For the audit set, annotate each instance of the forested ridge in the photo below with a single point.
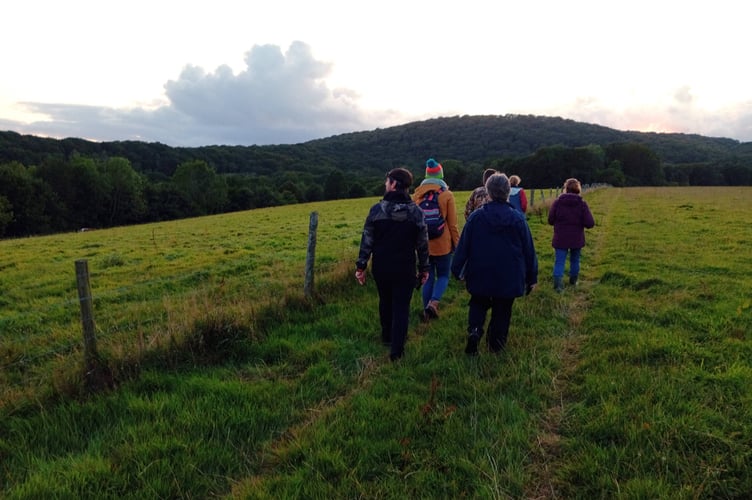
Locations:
(49, 185)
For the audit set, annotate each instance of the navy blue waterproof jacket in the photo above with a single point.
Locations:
(496, 254)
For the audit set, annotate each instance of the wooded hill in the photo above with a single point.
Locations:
(478, 140)
(49, 185)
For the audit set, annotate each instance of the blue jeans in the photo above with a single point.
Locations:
(438, 277)
(561, 258)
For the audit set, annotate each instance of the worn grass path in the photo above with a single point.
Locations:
(547, 456)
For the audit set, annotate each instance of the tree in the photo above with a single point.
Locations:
(314, 192)
(641, 166)
(166, 202)
(290, 193)
(201, 184)
(6, 214)
(30, 199)
(80, 189)
(335, 187)
(124, 192)
(612, 174)
(356, 191)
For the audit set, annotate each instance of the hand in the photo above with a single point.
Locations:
(360, 275)
(423, 277)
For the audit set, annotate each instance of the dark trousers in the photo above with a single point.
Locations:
(395, 295)
(501, 316)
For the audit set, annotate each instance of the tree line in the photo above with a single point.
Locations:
(49, 185)
(67, 195)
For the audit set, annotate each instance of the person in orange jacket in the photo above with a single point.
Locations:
(440, 248)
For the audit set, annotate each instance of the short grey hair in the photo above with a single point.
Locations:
(497, 187)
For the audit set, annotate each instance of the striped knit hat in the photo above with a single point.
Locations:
(434, 170)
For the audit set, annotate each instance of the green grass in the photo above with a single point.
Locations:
(634, 384)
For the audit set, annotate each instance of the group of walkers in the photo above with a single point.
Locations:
(414, 242)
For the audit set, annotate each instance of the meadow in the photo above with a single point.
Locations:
(228, 382)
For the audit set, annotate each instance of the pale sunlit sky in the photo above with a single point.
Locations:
(286, 71)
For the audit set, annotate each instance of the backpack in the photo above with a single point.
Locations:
(432, 215)
(514, 198)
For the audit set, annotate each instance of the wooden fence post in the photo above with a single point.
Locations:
(87, 313)
(311, 254)
(97, 375)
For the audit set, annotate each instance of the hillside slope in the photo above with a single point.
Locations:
(469, 139)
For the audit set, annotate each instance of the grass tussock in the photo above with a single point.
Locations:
(230, 382)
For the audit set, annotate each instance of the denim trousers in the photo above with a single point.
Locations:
(561, 259)
(438, 277)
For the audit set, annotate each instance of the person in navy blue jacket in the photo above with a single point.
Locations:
(496, 258)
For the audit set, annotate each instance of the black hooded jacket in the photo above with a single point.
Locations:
(395, 236)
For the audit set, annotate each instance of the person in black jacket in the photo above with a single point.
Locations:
(496, 259)
(395, 235)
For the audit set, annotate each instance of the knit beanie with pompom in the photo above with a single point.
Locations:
(434, 170)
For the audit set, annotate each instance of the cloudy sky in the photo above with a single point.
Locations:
(285, 71)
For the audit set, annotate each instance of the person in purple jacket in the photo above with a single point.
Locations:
(570, 216)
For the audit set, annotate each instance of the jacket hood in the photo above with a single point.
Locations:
(570, 199)
(498, 215)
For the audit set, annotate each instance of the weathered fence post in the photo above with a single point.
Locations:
(87, 312)
(311, 254)
(96, 374)
(532, 197)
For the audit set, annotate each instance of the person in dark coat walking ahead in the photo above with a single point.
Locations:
(496, 259)
(570, 215)
(395, 235)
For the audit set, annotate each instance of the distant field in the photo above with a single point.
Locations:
(637, 383)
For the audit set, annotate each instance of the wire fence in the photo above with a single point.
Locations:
(144, 312)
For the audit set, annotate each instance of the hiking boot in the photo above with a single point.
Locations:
(573, 280)
(432, 310)
(473, 337)
(558, 284)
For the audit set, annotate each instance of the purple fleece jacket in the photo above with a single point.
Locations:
(570, 215)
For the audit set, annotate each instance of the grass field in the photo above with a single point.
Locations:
(228, 382)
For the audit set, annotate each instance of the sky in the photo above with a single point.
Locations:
(230, 72)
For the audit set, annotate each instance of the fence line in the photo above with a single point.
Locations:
(553, 193)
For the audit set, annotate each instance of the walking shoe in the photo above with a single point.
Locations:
(432, 310)
(471, 348)
(558, 284)
(573, 280)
